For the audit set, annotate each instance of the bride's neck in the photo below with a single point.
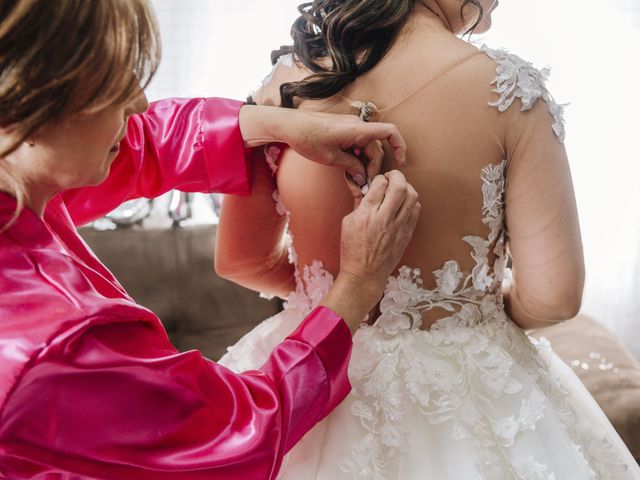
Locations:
(446, 14)
(435, 12)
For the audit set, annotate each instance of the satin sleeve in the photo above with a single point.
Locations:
(119, 402)
(193, 145)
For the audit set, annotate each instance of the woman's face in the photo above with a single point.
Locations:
(79, 150)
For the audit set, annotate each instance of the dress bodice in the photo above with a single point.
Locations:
(473, 396)
(465, 294)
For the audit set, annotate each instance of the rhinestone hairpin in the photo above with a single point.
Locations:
(367, 111)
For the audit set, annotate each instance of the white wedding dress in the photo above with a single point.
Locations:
(474, 397)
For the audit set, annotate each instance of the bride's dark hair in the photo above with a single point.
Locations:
(354, 34)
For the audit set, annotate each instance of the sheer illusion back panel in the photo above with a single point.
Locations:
(439, 96)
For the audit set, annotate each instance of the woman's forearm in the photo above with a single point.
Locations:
(531, 313)
(260, 124)
(251, 248)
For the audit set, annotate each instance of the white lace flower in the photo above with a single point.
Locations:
(394, 320)
(482, 279)
(271, 155)
(531, 470)
(321, 280)
(517, 78)
(531, 410)
(448, 278)
(280, 208)
(363, 410)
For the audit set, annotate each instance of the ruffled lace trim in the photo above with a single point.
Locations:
(517, 78)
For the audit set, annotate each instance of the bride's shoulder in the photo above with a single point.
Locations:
(514, 70)
(518, 80)
(515, 78)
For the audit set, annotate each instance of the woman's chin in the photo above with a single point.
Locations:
(100, 176)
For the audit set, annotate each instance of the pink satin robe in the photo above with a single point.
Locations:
(91, 387)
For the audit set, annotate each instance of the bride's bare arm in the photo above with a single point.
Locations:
(542, 223)
(250, 243)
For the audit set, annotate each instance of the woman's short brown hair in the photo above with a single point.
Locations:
(59, 57)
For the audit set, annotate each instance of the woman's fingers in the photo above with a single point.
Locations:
(390, 133)
(376, 194)
(415, 215)
(395, 195)
(343, 141)
(352, 164)
(354, 188)
(376, 234)
(408, 206)
(374, 154)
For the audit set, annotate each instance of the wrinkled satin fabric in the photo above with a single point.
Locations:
(91, 387)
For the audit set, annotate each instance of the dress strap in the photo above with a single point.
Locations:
(369, 112)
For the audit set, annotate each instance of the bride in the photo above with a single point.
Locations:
(446, 382)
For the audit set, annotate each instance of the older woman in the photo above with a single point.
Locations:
(90, 386)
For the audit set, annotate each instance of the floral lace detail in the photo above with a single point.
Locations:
(530, 469)
(271, 155)
(517, 78)
(454, 372)
(473, 293)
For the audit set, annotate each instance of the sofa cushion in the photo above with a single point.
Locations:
(171, 272)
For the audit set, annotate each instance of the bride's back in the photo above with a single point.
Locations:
(437, 89)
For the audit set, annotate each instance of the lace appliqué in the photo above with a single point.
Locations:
(517, 78)
(454, 372)
(474, 293)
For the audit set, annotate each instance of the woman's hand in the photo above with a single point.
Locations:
(374, 238)
(343, 141)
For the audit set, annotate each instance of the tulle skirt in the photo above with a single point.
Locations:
(472, 398)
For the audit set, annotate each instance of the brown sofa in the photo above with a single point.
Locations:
(171, 272)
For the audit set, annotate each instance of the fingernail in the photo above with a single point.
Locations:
(359, 179)
(364, 189)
